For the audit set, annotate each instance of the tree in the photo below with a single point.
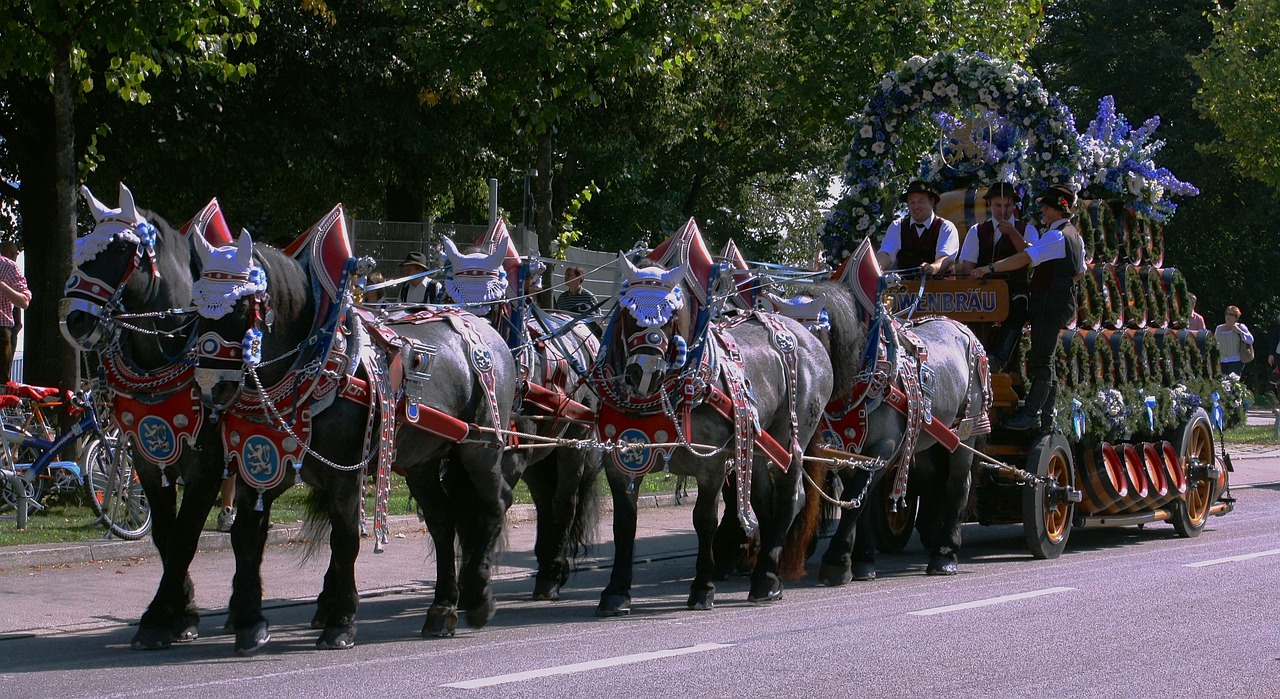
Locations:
(55, 55)
(1241, 93)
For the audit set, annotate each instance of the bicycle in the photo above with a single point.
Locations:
(105, 470)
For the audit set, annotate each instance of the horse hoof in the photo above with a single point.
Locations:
(702, 600)
(941, 565)
(151, 639)
(187, 629)
(614, 605)
(251, 640)
(547, 591)
(478, 617)
(337, 638)
(442, 622)
(834, 575)
(765, 592)
(864, 571)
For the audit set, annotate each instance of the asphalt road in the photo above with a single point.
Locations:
(1123, 613)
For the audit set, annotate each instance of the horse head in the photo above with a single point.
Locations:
(476, 279)
(231, 296)
(647, 322)
(107, 261)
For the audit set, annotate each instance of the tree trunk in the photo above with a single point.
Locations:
(544, 212)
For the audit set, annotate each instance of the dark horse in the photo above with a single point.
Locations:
(134, 262)
(736, 399)
(553, 354)
(952, 389)
(262, 305)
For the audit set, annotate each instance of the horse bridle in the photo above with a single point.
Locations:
(100, 299)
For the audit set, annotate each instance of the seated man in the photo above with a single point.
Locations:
(995, 239)
(920, 239)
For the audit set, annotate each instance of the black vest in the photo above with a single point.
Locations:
(918, 249)
(987, 252)
(1057, 277)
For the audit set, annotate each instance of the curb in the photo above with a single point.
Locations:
(281, 534)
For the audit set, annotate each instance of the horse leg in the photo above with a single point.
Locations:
(248, 540)
(543, 479)
(615, 600)
(848, 540)
(729, 546)
(172, 615)
(480, 526)
(440, 515)
(953, 496)
(702, 591)
(338, 600)
(780, 503)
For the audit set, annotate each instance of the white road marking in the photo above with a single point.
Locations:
(583, 667)
(988, 602)
(1232, 559)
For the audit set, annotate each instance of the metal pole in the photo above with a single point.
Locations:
(493, 201)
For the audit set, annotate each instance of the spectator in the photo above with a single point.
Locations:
(227, 515)
(373, 295)
(575, 299)
(1195, 321)
(1273, 352)
(1232, 336)
(424, 289)
(14, 296)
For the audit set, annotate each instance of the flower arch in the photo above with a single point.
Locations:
(1037, 130)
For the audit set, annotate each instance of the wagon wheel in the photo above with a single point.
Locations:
(893, 529)
(1047, 510)
(1194, 443)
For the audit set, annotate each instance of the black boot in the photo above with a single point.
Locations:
(1029, 416)
(1046, 410)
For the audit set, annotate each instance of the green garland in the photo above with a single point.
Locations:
(1091, 302)
(1179, 295)
(1113, 308)
(1104, 362)
(1102, 220)
(1152, 360)
(1088, 230)
(1135, 297)
(1157, 302)
(1154, 237)
(1195, 366)
(1126, 356)
(1079, 372)
(1213, 355)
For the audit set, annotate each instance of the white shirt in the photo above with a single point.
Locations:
(416, 291)
(969, 250)
(1052, 246)
(948, 239)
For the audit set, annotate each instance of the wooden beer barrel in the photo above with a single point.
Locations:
(1158, 491)
(1175, 476)
(1102, 478)
(1113, 298)
(1135, 481)
(1157, 300)
(1135, 296)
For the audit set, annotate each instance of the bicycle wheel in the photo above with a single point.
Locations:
(113, 489)
(9, 497)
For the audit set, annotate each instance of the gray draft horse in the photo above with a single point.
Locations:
(134, 262)
(465, 376)
(752, 369)
(956, 388)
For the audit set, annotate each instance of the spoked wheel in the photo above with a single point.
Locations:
(114, 492)
(893, 529)
(1195, 449)
(1048, 508)
(9, 496)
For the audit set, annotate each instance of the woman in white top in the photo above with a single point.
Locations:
(1231, 335)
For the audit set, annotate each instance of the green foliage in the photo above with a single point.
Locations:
(1241, 92)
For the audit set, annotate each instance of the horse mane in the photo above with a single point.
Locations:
(289, 284)
(847, 338)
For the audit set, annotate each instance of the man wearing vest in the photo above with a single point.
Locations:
(1058, 261)
(920, 239)
(995, 239)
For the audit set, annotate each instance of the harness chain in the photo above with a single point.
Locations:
(744, 422)
(381, 377)
(306, 447)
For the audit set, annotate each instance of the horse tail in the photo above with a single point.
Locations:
(315, 522)
(847, 339)
(586, 518)
(799, 542)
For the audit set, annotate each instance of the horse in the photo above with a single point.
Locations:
(133, 261)
(751, 388)
(553, 353)
(261, 306)
(917, 381)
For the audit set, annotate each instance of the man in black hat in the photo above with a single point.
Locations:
(995, 239)
(1058, 261)
(921, 238)
(424, 289)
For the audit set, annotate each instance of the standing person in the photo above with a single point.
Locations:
(1231, 337)
(1273, 352)
(921, 238)
(995, 239)
(14, 297)
(373, 295)
(1195, 321)
(424, 289)
(1058, 261)
(227, 515)
(575, 299)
